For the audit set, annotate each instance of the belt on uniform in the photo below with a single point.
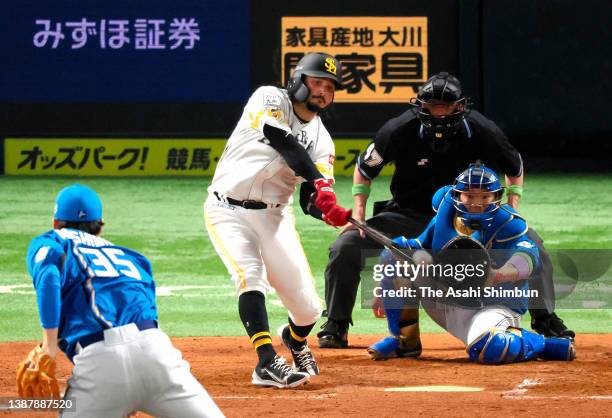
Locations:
(95, 337)
(247, 204)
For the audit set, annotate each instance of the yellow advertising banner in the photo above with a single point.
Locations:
(112, 157)
(384, 59)
(137, 157)
(347, 152)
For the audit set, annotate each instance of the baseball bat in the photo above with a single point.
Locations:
(382, 239)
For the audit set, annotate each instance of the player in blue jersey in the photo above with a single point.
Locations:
(96, 302)
(485, 318)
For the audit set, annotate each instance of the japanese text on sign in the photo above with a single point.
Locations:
(143, 34)
(139, 157)
(384, 59)
(112, 157)
(78, 157)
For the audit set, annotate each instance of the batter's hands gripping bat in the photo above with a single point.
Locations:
(377, 236)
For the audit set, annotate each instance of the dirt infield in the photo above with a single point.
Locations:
(352, 385)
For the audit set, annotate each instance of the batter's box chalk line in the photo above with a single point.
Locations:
(273, 396)
(520, 390)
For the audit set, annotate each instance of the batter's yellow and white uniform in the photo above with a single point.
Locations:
(261, 247)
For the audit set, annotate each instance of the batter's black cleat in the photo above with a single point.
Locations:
(279, 375)
(550, 325)
(334, 334)
(303, 360)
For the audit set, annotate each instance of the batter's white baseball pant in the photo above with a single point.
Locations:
(261, 248)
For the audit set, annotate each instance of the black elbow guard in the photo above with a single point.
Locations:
(274, 135)
(294, 154)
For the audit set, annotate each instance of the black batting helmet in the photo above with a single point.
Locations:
(442, 88)
(316, 64)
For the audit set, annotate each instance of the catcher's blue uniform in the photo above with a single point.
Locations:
(85, 284)
(505, 234)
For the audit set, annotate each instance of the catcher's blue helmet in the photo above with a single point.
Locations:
(477, 177)
(78, 203)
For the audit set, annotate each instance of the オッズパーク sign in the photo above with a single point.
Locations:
(139, 157)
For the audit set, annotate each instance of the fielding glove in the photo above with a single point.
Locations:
(36, 376)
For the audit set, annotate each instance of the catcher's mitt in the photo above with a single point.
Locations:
(468, 258)
(36, 376)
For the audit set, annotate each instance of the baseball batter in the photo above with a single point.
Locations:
(96, 302)
(278, 143)
(489, 323)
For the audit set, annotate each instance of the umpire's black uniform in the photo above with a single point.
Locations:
(421, 167)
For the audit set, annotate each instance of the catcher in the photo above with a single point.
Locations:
(484, 313)
(96, 302)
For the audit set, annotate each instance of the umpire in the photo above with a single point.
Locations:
(429, 144)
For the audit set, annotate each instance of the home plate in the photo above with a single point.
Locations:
(434, 389)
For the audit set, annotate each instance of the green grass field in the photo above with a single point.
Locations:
(162, 218)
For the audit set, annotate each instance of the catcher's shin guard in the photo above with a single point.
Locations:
(554, 348)
(406, 343)
(385, 348)
(393, 308)
(515, 345)
(558, 349)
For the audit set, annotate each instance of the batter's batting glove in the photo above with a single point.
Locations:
(337, 216)
(326, 198)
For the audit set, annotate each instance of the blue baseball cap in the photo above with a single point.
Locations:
(78, 203)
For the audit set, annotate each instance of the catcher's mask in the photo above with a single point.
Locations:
(442, 89)
(78, 203)
(316, 64)
(482, 196)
